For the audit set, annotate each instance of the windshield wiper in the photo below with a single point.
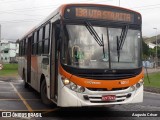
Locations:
(95, 35)
(121, 40)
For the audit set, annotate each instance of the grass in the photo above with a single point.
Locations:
(9, 70)
(154, 80)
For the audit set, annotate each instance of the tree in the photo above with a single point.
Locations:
(158, 51)
(146, 50)
(153, 52)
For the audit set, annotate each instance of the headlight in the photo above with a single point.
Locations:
(132, 88)
(137, 85)
(72, 85)
(65, 81)
(81, 89)
(141, 81)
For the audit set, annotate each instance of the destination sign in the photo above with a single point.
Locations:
(103, 14)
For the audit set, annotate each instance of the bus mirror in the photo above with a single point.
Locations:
(45, 61)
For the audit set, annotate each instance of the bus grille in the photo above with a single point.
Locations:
(105, 89)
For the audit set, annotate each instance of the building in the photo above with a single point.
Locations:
(8, 51)
(151, 45)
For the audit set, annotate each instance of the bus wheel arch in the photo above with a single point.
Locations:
(43, 91)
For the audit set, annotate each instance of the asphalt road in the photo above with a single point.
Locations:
(14, 97)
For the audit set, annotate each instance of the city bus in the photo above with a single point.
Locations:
(85, 55)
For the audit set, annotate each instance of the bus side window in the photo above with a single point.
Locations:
(24, 46)
(40, 38)
(35, 44)
(37, 47)
(32, 44)
(20, 48)
(46, 39)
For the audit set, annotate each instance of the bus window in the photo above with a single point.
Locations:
(24, 48)
(46, 39)
(46, 46)
(47, 30)
(20, 48)
(32, 44)
(41, 34)
(26, 44)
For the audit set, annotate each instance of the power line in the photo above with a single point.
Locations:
(55, 6)
(25, 20)
(39, 19)
(4, 1)
(3, 12)
(148, 6)
(30, 9)
(46, 7)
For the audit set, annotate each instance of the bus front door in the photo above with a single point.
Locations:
(53, 66)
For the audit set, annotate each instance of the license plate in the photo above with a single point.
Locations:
(108, 98)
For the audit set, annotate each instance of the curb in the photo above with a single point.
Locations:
(152, 93)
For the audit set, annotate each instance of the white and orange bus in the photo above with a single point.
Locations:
(85, 55)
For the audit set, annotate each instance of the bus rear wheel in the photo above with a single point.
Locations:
(43, 93)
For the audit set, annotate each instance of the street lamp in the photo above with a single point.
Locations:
(156, 48)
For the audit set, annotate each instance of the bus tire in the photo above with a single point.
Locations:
(43, 94)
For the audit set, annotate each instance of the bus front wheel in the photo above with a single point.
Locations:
(43, 93)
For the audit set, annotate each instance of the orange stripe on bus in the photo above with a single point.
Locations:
(109, 84)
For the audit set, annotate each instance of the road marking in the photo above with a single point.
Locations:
(24, 101)
(13, 92)
(152, 93)
(20, 99)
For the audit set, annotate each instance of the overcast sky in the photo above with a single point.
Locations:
(19, 16)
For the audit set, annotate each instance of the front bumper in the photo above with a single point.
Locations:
(69, 98)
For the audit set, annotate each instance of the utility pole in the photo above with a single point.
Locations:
(0, 44)
(156, 60)
(119, 2)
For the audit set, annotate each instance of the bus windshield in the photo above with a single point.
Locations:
(81, 50)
